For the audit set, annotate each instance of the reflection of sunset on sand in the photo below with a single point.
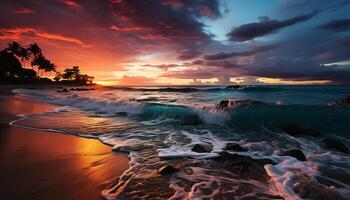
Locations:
(56, 165)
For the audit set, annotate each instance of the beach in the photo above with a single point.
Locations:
(251, 142)
(45, 165)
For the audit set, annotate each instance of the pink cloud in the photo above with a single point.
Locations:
(72, 3)
(18, 33)
(127, 29)
(24, 10)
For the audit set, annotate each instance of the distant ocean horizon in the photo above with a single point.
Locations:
(189, 127)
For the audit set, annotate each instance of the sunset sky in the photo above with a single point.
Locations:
(147, 42)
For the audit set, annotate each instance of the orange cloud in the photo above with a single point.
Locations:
(23, 10)
(72, 3)
(127, 29)
(18, 33)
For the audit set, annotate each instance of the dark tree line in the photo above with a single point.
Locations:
(13, 69)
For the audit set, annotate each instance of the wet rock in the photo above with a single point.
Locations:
(245, 166)
(345, 101)
(121, 114)
(202, 148)
(234, 147)
(228, 103)
(80, 89)
(167, 170)
(64, 90)
(224, 104)
(296, 130)
(311, 189)
(331, 143)
(295, 153)
(233, 87)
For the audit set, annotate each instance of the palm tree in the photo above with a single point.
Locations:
(14, 48)
(24, 54)
(43, 64)
(35, 50)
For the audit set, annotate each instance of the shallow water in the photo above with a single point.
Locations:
(160, 125)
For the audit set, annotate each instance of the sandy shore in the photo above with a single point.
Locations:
(42, 165)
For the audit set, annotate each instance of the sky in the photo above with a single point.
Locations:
(179, 42)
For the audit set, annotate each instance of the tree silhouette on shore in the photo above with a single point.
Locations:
(13, 71)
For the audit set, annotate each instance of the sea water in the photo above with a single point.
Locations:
(158, 126)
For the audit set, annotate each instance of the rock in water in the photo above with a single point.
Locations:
(345, 101)
(331, 143)
(121, 114)
(295, 153)
(167, 169)
(233, 87)
(64, 90)
(224, 104)
(296, 130)
(309, 188)
(236, 102)
(234, 147)
(245, 166)
(202, 148)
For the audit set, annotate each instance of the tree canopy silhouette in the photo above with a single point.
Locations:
(13, 71)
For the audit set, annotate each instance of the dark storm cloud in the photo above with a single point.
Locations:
(333, 75)
(164, 67)
(264, 27)
(221, 56)
(337, 25)
(189, 54)
(222, 64)
(175, 21)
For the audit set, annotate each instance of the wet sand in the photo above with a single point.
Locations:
(41, 165)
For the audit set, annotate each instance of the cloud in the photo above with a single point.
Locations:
(265, 26)
(337, 25)
(17, 33)
(255, 50)
(164, 67)
(23, 10)
(174, 21)
(72, 3)
(189, 54)
(127, 29)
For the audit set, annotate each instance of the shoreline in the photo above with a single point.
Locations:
(36, 164)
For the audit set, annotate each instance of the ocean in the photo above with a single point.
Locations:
(160, 126)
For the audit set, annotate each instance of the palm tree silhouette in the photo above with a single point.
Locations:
(24, 55)
(14, 48)
(35, 49)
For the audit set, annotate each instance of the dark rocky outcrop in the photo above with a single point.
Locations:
(308, 188)
(245, 166)
(233, 87)
(232, 102)
(234, 147)
(296, 130)
(167, 170)
(295, 153)
(224, 104)
(121, 114)
(81, 89)
(334, 144)
(345, 101)
(64, 90)
(202, 148)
